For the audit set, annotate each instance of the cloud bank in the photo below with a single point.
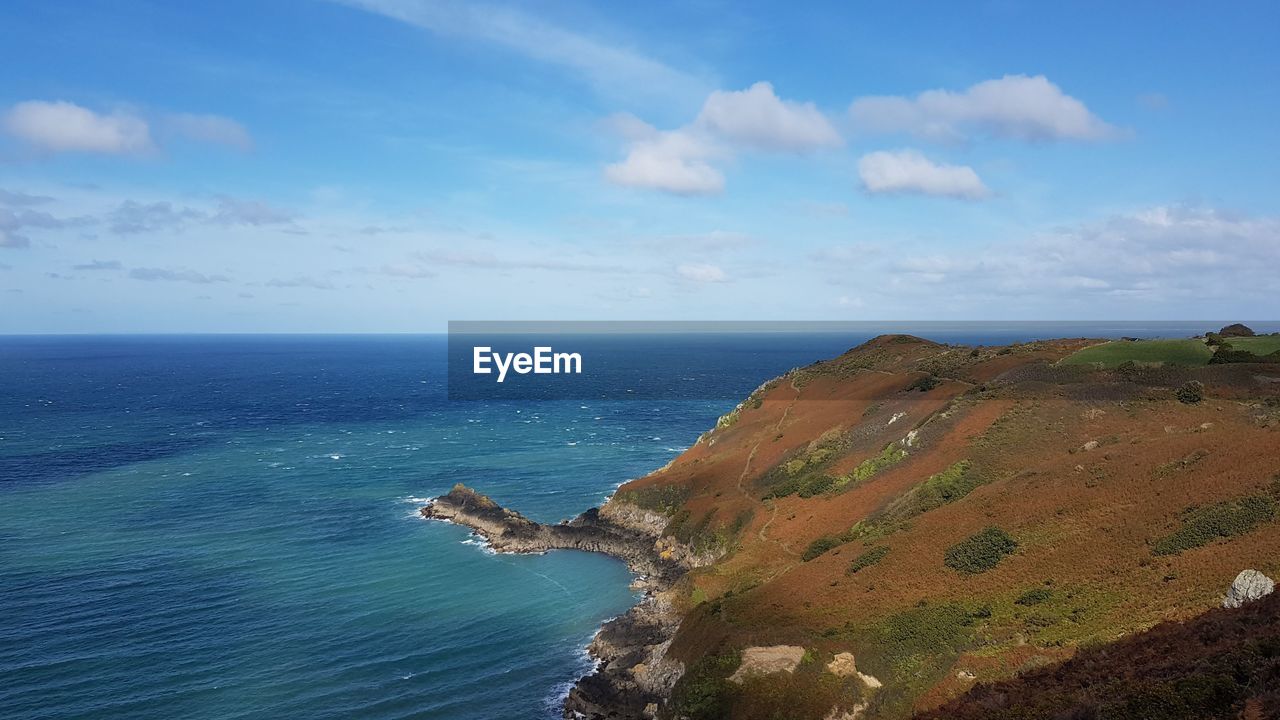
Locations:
(64, 127)
(1016, 107)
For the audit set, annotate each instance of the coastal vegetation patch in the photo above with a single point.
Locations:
(1226, 519)
(1190, 352)
(981, 552)
(664, 499)
(868, 558)
(891, 455)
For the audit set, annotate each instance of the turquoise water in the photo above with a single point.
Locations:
(227, 528)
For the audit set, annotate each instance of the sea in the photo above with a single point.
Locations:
(227, 526)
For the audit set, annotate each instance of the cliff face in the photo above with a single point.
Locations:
(934, 516)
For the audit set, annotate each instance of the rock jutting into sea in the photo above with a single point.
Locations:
(634, 675)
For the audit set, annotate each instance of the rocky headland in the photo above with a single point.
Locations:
(634, 675)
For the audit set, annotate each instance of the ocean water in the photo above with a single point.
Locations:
(226, 527)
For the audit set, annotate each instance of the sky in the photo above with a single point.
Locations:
(389, 165)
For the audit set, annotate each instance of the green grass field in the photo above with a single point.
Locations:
(1189, 352)
(1260, 345)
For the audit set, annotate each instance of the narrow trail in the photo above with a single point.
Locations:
(746, 468)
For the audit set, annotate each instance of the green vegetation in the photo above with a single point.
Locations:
(705, 536)
(820, 546)
(1203, 525)
(805, 486)
(979, 553)
(665, 499)
(803, 475)
(1258, 345)
(1190, 393)
(704, 691)
(868, 558)
(891, 455)
(1035, 596)
(924, 384)
(1190, 353)
(945, 487)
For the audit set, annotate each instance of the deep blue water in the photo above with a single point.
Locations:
(225, 527)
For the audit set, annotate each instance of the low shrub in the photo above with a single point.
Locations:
(937, 490)
(891, 455)
(868, 558)
(981, 552)
(820, 546)
(1191, 392)
(1034, 596)
(925, 384)
(665, 499)
(704, 691)
(1203, 525)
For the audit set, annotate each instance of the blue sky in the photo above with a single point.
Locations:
(387, 165)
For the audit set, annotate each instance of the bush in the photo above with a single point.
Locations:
(820, 546)
(953, 483)
(1034, 597)
(981, 552)
(925, 384)
(1191, 391)
(665, 499)
(1203, 525)
(704, 691)
(868, 558)
(891, 455)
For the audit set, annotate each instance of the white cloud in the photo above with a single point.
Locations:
(175, 275)
(908, 171)
(609, 66)
(66, 127)
(700, 272)
(757, 118)
(214, 129)
(1014, 106)
(300, 281)
(1156, 255)
(680, 161)
(674, 162)
(233, 211)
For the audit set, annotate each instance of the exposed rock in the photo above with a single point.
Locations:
(842, 665)
(1236, 330)
(852, 713)
(1248, 586)
(1091, 445)
(634, 676)
(764, 660)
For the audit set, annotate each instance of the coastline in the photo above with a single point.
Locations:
(633, 676)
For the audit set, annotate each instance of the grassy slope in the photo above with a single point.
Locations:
(1085, 470)
(1188, 352)
(1260, 345)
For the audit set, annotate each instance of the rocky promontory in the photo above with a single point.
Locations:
(634, 675)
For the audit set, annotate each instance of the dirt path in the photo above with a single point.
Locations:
(746, 468)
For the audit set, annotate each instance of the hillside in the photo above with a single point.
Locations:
(950, 516)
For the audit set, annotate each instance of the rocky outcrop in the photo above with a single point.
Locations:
(1248, 586)
(766, 660)
(634, 676)
(843, 665)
